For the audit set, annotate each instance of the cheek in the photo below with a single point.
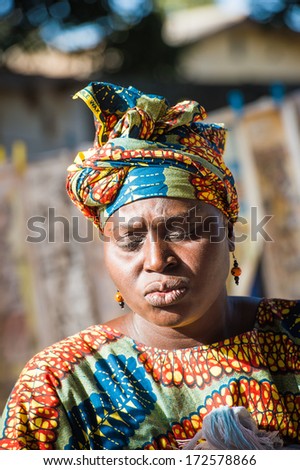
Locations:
(210, 262)
(111, 263)
(120, 270)
(220, 261)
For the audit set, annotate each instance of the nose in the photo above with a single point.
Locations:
(158, 255)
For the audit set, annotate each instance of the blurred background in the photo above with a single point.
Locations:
(239, 59)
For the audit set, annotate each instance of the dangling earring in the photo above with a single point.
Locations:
(236, 270)
(119, 299)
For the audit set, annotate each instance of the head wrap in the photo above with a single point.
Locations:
(145, 148)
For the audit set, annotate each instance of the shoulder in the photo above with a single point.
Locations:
(269, 308)
(263, 312)
(284, 313)
(61, 358)
(257, 305)
(44, 373)
(41, 392)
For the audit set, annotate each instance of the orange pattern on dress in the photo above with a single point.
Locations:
(33, 421)
(198, 367)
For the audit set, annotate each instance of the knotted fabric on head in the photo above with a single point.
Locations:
(145, 148)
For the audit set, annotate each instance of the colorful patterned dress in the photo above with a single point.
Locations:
(100, 389)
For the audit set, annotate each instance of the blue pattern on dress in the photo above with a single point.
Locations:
(107, 419)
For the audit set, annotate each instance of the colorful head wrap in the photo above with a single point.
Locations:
(144, 148)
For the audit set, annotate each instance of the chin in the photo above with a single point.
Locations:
(168, 318)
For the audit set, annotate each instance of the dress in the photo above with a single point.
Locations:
(101, 390)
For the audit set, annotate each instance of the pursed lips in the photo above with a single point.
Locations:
(166, 286)
(164, 293)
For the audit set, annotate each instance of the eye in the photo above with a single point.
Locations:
(131, 242)
(176, 236)
(185, 233)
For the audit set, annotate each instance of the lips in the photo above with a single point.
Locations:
(164, 293)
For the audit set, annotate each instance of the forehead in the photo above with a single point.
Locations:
(147, 211)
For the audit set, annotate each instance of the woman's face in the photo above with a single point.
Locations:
(168, 257)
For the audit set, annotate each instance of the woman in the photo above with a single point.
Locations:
(156, 185)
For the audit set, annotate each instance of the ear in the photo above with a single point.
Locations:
(230, 236)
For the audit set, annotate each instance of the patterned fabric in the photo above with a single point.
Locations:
(101, 390)
(149, 149)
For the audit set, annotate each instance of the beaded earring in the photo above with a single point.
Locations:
(119, 299)
(236, 270)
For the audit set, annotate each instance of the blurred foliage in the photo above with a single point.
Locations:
(276, 13)
(130, 31)
(24, 21)
(23, 18)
